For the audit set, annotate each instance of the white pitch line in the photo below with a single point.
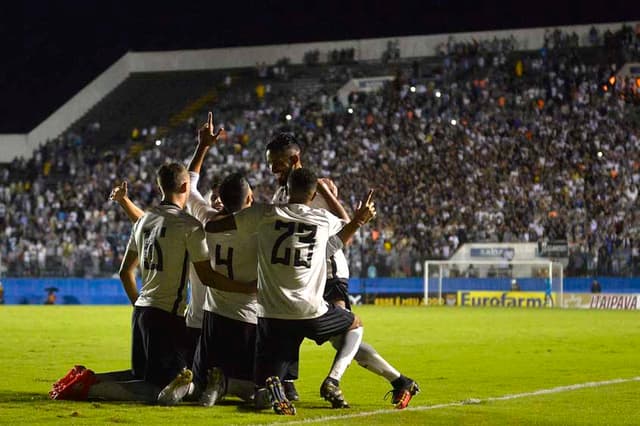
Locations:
(469, 401)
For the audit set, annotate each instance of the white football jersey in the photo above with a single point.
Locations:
(281, 196)
(337, 265)
(232, 255)
(201, 210)
(292, 270)
(166, 240)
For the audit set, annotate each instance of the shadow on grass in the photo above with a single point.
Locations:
(11, 396)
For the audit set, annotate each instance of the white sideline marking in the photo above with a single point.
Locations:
(469, 401)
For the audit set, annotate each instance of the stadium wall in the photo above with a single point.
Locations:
(13, 146)
(108, 291)
(238, 57)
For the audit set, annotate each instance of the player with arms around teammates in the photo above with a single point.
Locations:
(224, 361)
(283, 156)
(292, 247)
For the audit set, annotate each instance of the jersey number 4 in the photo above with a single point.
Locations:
(228, 261)
(152, 254)
(308, 237)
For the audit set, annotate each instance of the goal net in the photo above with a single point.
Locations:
(524, 283)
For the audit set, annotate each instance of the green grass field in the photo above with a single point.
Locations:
(456, 354)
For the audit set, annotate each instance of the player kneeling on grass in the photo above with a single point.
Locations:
(224, 360)
(162, 243)
(284, 156)
(292, 247)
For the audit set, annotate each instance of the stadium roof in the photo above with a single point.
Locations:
(53, 49)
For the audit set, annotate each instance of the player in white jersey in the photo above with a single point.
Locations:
(292, 245)
(283, 156)
(224, 360)
(162, 243)
(194, 313)
(204, 350)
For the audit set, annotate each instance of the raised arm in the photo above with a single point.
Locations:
(206, 138)
(329, 192)
(119, 194)
(198, 206)
(364, 214)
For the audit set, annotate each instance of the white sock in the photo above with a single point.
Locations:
(368, 358)
(241, 388)
(350, 344)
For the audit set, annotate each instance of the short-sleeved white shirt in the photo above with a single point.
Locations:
(337, 265)
(166, 240)
(232, 255)
(201, 210)
(292, 268)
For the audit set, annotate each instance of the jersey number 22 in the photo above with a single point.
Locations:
(308, 237)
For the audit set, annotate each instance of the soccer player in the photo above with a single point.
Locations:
(283, 156)
(224, 361)
(162, 243)
(193, 315)
(292, 246)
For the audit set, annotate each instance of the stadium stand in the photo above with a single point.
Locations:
(481, 142)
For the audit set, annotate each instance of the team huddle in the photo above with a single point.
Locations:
(262, 276)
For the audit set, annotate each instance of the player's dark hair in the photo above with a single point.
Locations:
(171, 176)
(302, 182)
(233, 191)
(283, 141)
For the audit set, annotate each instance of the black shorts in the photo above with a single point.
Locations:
(138, 356)
(227, 344)
(337, 289)
(158, 345)
(191, 343)
(278, 340)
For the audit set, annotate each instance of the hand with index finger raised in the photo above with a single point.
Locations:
(206, 135)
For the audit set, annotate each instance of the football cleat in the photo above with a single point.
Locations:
(215, 389)
(76, 388)
(331, 392)
(179, 387)
(281, 405)
(290, 390)
(261, 399)
(402, 394)
(77, 369)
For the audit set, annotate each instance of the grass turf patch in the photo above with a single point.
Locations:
(454, 353)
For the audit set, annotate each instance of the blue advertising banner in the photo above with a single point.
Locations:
(108, 291)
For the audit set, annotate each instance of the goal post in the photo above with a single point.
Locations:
(446, 277)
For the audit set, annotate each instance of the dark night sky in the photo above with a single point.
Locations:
(53, 48)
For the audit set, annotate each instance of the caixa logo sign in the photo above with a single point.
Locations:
(502, 252)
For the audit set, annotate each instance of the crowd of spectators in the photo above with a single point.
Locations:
(500, 145)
